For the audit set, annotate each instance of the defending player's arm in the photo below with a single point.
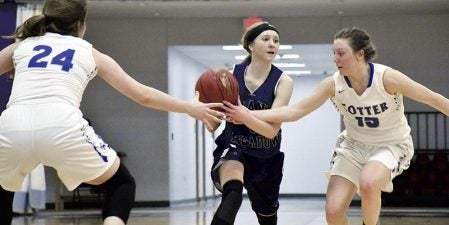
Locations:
(395, 81)
(6, 63)
(114, 75)
(291, 113)
(240, 114)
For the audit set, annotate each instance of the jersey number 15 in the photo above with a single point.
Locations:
(371, 122)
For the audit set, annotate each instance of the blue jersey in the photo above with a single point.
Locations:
(262, 98)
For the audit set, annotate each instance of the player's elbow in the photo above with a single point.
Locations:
(144, 101)
(271, 134)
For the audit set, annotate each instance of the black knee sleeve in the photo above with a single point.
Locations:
(120, 192)
(230, 203)
(6, 198)
(267, 220)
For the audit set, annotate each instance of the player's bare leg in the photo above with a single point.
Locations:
(340, 192)
(373, 178)
(231, 170)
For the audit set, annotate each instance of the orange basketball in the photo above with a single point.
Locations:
(217, 85)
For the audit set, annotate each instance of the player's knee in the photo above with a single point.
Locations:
(230, 203)
(6, 213)
(232, 186)
(232, 196)
(334, 213)
(120, 194)
(267, 220)
(369, 186)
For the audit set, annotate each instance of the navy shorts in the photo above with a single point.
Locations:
(262, 177)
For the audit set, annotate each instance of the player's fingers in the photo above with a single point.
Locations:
(227, 109)
(214, 105)
(216, 118)
(228, 104)
(216, 114)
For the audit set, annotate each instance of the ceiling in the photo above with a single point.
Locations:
(318, 58)
(262, 8)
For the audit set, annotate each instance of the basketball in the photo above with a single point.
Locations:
(217, 85)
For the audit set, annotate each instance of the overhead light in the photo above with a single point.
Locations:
(290, 64)
(285, 47)
(232, 47)
(240, 47)
(240, 57)
(298, 72)
(289, 56)
(285, 56)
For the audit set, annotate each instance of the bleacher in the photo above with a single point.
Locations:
(426, 182)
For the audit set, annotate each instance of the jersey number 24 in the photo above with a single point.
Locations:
(64, 59)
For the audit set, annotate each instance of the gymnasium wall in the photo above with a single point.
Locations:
(8, 20)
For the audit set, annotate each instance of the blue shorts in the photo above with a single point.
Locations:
(262, 177)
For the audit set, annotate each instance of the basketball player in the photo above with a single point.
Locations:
(248, 152)
(376, 145)
(43, 123)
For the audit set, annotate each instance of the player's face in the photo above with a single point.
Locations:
(266, 45)
(344, 57)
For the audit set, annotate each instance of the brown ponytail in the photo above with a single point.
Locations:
(58, 16)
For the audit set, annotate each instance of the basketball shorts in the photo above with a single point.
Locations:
(262, 177)
(350, 156)
(56, 135)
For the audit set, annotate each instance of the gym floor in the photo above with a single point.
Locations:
(293, 211)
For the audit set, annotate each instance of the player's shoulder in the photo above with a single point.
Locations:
(379, 68)
(285, 78)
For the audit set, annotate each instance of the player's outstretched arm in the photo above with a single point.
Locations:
(150, 97)
(294, 112)
(395, 81)
(6, 63)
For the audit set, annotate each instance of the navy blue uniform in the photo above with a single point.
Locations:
(262, 159)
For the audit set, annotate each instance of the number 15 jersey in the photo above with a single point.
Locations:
(51, 68)
(375, 116)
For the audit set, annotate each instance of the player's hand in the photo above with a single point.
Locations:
(205, 111)
(236, 114)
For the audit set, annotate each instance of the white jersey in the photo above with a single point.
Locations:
(375, 116)
(51, 68)
(43, 123)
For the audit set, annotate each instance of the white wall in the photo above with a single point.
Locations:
(308, 143)
(181, 129)
(190, 149)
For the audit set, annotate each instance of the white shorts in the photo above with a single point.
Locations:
(56, 135)
(350, 156)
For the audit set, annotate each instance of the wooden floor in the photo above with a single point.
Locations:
(308, 211)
